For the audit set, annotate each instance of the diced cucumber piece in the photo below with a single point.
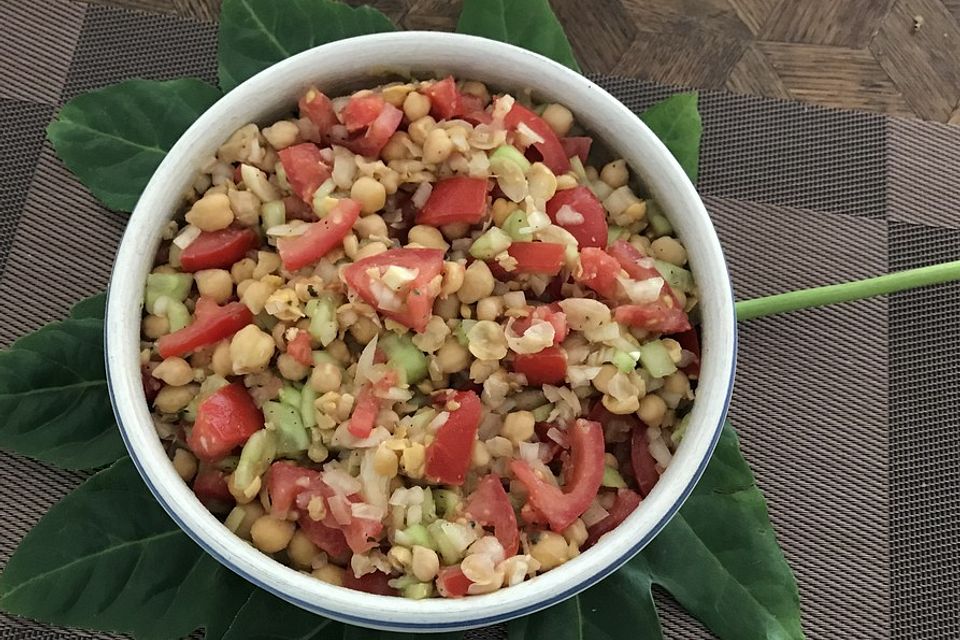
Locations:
(273, 213)
(403, 582)
(175, 286)
(440, 531)
(320, 196)
(323, 319)
(428, 507)
(542, 413)
(415, 534)
(290, 395)
(680, 430)
(656, 359)
(307, 411)
(211, 384)
(177, 314)
(461, 331)
(678, 278)
(292, 437)
(612, 478)
(417, 591)
(658, 222)
(623, 361)
(404, 356)
(235, 519)
(517, 227)
(282, 178)
(255, 458)
(512, 154)
(448, 503)
(493, 241)
(615, 233)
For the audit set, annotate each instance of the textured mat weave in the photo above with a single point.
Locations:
(849, 416)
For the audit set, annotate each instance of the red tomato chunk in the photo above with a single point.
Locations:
(305, 169)
(225, 420)
(211, 324)
(453, 200)
(566, 205)
(218, 249)
(297, 252)
(448, 456)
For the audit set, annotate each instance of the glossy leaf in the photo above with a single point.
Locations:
(676, 121)
(54, 404)
(255, 34)
(564, 621)
(719, 558)
(361, 633)
(108, 558)
(530, 24)
(92, 307)
(113, 139)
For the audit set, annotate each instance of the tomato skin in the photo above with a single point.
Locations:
(458, 199)
(644, 465)
(550, 149)
(319, 109)
(368, 405)
(549, 313)
(210, 487)
(562, 506)
(598, 270)
(418, 303)
(301, 350)
(637, 265)
(690, 341)
(548, 366)
(378, 133)
(328, 539)
(305, 169)
(448, 456)
(577, 146)
(626, 501)
(537, 257)
(490, 506)
(452, 583)
(445, 100)
(285, 480)
(225, 420)
(297, 252)
(592, 232)
(375, 582)
(218, 249)
(210, 325)
(665, 315)
(361, 111)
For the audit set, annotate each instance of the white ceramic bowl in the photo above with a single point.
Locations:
(349, 64)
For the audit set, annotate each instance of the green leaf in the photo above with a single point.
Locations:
(54, 404)
(108, 558)
(113, 139)
(676, 121)
(254, 34)
(359, 633)
(719, 558)
(530, 24)
(92, 307)
(561, 622)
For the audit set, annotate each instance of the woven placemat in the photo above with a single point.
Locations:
(848, 415)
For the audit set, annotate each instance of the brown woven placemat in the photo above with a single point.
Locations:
(849, 415)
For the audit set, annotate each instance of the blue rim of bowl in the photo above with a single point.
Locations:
(483, 622)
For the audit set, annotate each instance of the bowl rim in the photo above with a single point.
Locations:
(384, 612)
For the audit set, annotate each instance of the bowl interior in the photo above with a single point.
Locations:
(362, 62)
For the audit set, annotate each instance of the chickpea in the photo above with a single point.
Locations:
(155, 326)
(576, 533)
(220, 362)
(338, 349)
(256, 294)
(351, 245)
(326, 377)
(363, 330)
(478, 283)
(425, 564)
(246, 207)
(370, 249)
(452, 280)
(412, 460)
(175, 399)
(185, 464)
(448, 307)
(330, 573)
(212, 212)
(602, 380)
(677, 382)
(620, 407)
(419, 129)
(252, 511)
(615, 173)
(479, 456)
(489, 308)
(455, 230)
(549, 549)
(437, 147)
(385, 462)
(566, 181)
(652, 409)
(282, 134)
(452, 356)
(251, 350)
(215, 283)
(174, 371)
(371, 226)
(559, 118)
(518, 426)
(400, 557)
(371, 195)
(242, 270)
(416, 106)
(501, 210)
(301, 551)
(270, 534)
(427, 237)
(395, 149)
(669, 250)
(291, 368)
(267, 262)
(474, 88)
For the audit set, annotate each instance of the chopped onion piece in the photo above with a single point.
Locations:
(568, 215)
(530, 451)
(367, 511)
(641, 291)
(340, 481)
(288, 230)
(527, 135)
(594, 514)
(538, 336)
(421, 195)
(365, 361)
(397, 277)
(187, 236)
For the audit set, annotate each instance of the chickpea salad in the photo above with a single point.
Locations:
(419, 340)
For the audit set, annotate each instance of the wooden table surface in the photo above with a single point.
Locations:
(900, 57)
